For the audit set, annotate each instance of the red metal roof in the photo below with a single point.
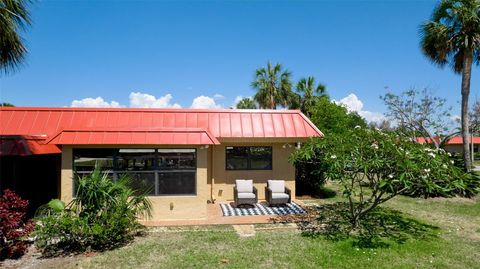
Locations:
(145, 126)
(126, 136)
(26, 145)
(456, 140)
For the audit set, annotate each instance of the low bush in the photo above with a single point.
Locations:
(14, 226)
(307, 179)
(103, 215)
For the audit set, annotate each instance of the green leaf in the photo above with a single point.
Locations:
(56, 205)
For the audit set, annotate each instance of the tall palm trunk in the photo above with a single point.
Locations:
(466, 76)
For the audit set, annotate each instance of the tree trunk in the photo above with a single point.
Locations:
(466, 76)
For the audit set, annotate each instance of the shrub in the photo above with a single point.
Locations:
(104, 214)
(373, 167)
(307, 178)
(14, 226)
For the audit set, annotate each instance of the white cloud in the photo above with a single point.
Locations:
(353, 104)
(218, 97)
(456, 118)
(372, 116)
(205, 102)
(94, 102)
(145, 100)
(237, 99)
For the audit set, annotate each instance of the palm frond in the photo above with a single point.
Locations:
(14, 18)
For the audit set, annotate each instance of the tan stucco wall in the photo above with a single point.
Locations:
(225, 179)
(454, 148)
(459, 148)
(66, 179)
(189, 207)
(195, 207)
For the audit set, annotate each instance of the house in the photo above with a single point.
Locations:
(455, 144)
(184, 158)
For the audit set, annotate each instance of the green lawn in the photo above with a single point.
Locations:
(457, 245)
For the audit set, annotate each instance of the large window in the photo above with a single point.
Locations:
(155, 171)
(248, 158)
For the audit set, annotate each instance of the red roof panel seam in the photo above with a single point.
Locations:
(242, 133)
(251, 124)
(21, 121)
(230, 124)
(33, 122)
(59, 121)
(45, 125)
(263, 126)
(71, 120)
(293, 123)
(8, 122)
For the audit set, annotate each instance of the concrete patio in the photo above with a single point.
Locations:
(215, 217)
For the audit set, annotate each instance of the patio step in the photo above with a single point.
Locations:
(244, 230)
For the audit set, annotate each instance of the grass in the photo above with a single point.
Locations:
(456, 245)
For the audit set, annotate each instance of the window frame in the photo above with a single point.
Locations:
(115, 173)
(249, 162)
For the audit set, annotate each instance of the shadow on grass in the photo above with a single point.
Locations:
(325, 193)
(379, 229)
(321, 192)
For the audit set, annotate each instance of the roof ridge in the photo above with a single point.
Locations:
(166, 110)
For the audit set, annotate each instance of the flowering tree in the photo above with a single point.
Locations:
(421, 114)
(373, 167)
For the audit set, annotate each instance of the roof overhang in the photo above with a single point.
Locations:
(129, 136)
(24, 145)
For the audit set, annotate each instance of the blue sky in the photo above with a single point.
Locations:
(169, 53)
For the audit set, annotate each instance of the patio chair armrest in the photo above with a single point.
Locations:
(235, 194)
(289, 192)
(256, 194)
(268, 194)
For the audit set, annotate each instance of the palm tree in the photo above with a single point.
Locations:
(452, 37)
(308, 93)
(273, 86)
(14, 17)
(246, 103)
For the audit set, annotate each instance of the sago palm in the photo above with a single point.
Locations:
(308, 93)
(273, 86)
(14, 18)
(452, 37)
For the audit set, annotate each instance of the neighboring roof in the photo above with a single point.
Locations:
(456, 140)
(423, 140)
(149, 126)
(25, 145)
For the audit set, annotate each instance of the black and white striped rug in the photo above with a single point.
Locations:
(260, 209)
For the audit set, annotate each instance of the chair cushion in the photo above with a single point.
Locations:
(243, 195)
(277, 186)
(244, 185)
(277, 195)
